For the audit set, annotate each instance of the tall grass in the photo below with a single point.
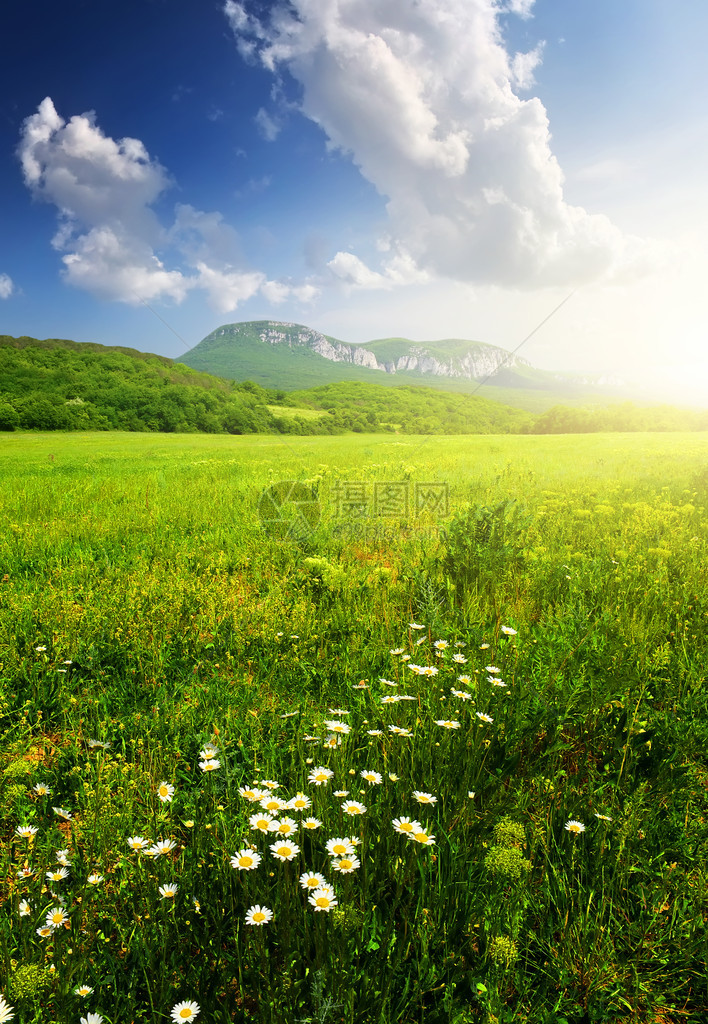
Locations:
(557, 677)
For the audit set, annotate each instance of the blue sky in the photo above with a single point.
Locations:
(443, 168)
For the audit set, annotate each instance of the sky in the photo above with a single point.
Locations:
(370, 168)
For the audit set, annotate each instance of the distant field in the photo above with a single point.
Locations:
(518, 669)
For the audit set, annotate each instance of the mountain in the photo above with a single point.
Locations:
(292, 356)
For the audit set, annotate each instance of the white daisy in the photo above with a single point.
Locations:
(185, 1011)
(246, 860)
(165, 792)
(259, 915)
(322, 899)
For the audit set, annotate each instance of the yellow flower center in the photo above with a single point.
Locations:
(322, 901)
(246, 862)
(185, 1013)
(345, 864)
(258, 916)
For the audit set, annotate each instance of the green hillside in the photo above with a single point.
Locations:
(238, 352)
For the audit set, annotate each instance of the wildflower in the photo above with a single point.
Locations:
(26, 831)
(405, 657)
(40, 650)
(339, 847)
(462, 694)
(374, 732)
(393, 777)
(602, 817)
(92, 1018)
(62, 857)
(341, 792)
(94, 879)
(62, 812)
(285, 850)
(300, 802)
(284, 827)
(311, 823)
(470, 794)
(25, 908)
(336, 726)
(98, 743)
(492, 669)
(197, 905)
(25, 872)
(42, 789)
(169, 891)
(270, 784)
(508, 631)
(208, 752)
(251, 794)
(496, 682)
(57, 876)
(165, 792)
(345, 865)
(390, 698)
(407, 826)
(56, 917)
(483, 718)
(484, 647)
(189, 823)
(320, 776)
(387, 682)
(312, 880)
(45, 932)
(83, 990)
(423, 838)
(448, 723)
(397, 730)
(337, 711)
(441, 645)
(353, 807)
(184, 1011)
(360, 685)
(424, 798)
(211, 765)
(465, 680)
(162, 846)
(415, 625)
(398, 650)
(332, 741)
(273, 803)
(322, 899)
(137, 843)
(429, 670)
(459, 659)
(261, 822)
(290, 714)
(259, 915)
(245, 860)
(574, 827)
(373, 778)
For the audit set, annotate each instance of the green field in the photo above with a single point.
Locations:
(163, 592)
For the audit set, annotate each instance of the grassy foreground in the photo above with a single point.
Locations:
(498, 710)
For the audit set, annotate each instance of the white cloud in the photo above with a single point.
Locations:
(523, 66)
(6, 286)
(112, 241)
(267, 125)
(422, 98)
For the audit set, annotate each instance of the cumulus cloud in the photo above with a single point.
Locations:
(6, 286)
(422, 97)
(112, 241)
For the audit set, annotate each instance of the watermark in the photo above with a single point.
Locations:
(292, 509)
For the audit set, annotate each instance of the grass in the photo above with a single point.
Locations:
(146, 613)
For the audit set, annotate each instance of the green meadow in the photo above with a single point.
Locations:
(362, 729)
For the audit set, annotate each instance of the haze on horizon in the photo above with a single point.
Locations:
(454, 168)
